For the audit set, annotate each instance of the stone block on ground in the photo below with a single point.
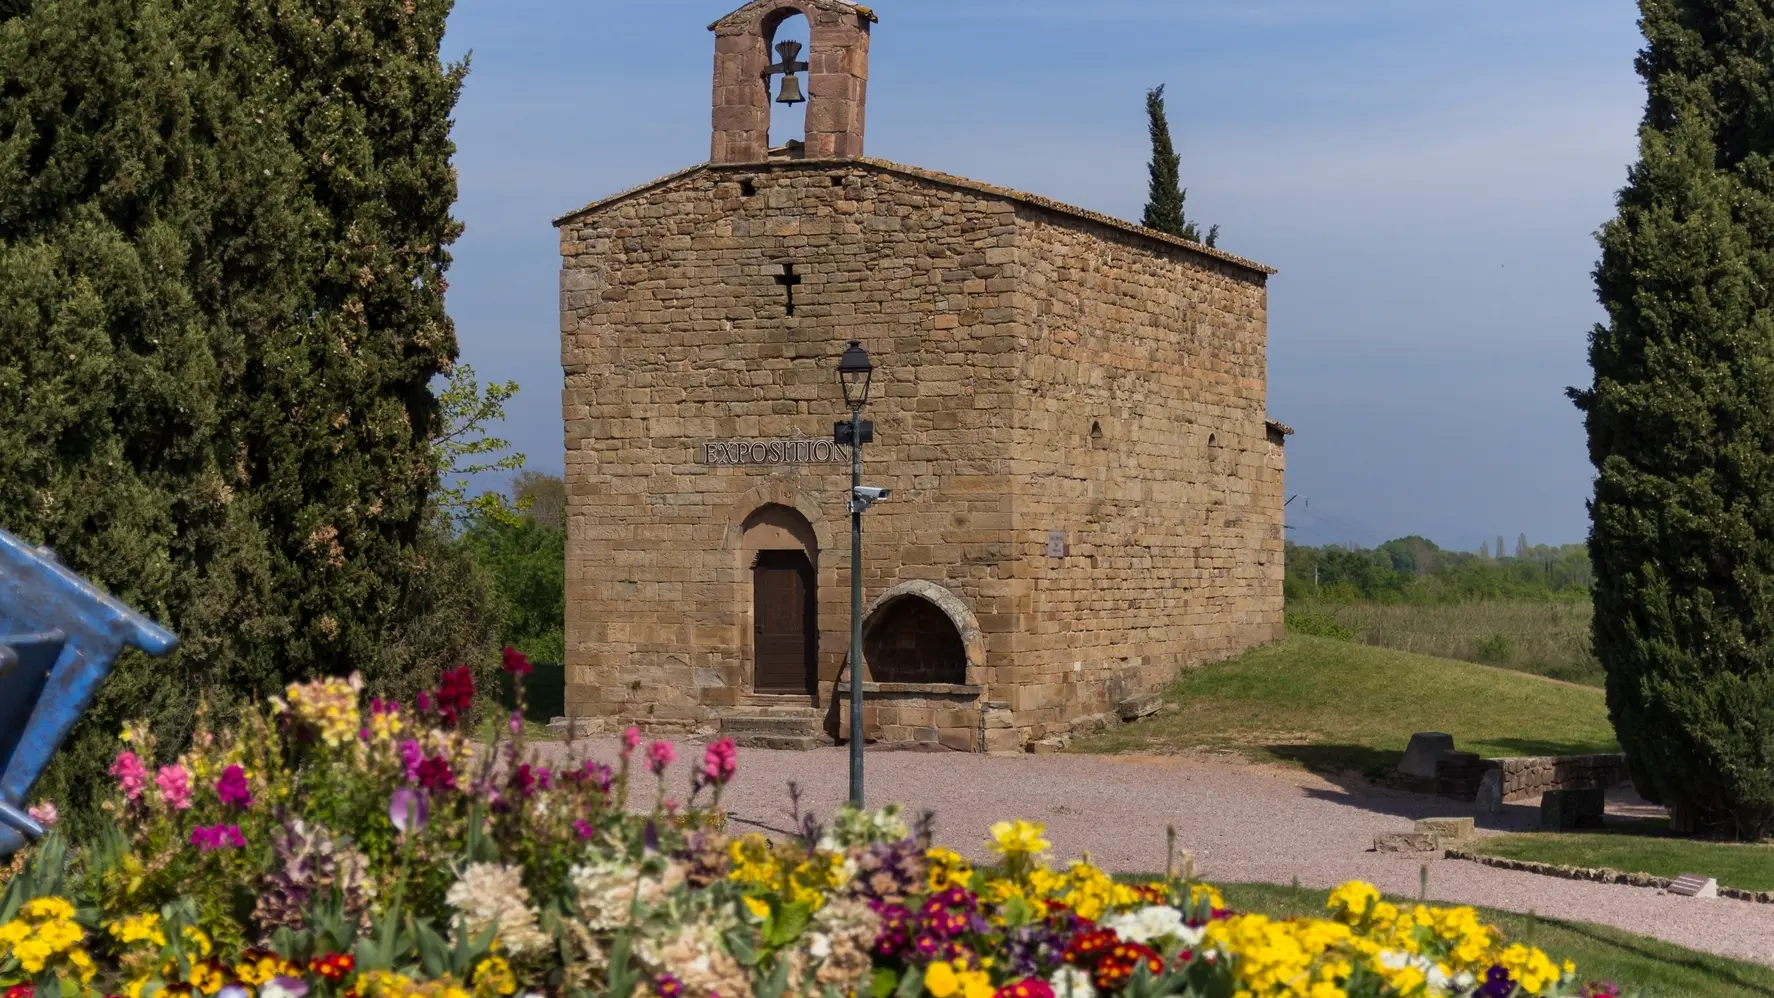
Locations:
(1448, 831)
(1561, 810)
(1421, 754)
(1406, 842)
(1134, 708)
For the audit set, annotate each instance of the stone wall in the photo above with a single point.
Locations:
(1527, 777)
(1038, 376)
(1143, 441)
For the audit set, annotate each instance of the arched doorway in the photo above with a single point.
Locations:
(785, 600)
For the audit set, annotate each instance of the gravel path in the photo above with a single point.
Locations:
(1243, 823)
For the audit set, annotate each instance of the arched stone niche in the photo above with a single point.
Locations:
(921, 634)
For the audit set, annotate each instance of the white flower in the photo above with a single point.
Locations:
(819, 945)
(1155, 922)
(1071, 982)
(488, 894)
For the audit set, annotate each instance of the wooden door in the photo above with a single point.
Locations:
(784, 630)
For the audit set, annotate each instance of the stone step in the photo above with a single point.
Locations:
(751, 725)
(795, 743)
(783, 710)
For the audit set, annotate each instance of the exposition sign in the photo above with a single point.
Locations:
(774, 452)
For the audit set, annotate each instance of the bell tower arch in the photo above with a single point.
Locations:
(751, 74)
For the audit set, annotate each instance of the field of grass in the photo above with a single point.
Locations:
(1649, 967)
(1547, 638)
(1334, 704)
(1641, 847)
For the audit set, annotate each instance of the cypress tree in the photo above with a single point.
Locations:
(1165, 194)
(223, 232)
(1680, 417)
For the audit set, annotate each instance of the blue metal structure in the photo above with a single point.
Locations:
(59, 635)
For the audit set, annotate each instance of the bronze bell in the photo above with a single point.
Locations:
(788, 67)
(791, 91)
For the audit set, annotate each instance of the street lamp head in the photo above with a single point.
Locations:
(855, 372)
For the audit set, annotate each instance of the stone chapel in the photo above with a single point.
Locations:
(1070, 410)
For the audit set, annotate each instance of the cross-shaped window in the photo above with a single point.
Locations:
(787, 277)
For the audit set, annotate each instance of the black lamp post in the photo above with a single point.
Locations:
(855, 372)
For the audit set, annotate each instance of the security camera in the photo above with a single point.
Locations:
(864, 496)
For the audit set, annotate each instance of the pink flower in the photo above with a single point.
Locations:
(659, 756)
(209, 838)
(517, 723)
(44, 814)
(720, 761)
(132, 776)
(584, 829)
(233, 790)
(631, 740)
(175, 786)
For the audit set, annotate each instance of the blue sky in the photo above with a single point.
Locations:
(1426, 175)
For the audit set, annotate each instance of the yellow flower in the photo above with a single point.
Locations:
(137, 928)
(196, 937)
(207, 978)
(1353, 900)
(47, 907)
(1019, 838)
(947, 869)
(757, 906)
(492, 976)
(940, 980)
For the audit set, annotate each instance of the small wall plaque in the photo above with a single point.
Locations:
(1695, 886)
(1056, 544)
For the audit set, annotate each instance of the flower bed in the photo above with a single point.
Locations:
(339, 849)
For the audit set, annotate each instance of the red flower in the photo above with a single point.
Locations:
(25, 990)
(1119, 964)
(1089, 947)
(455, 695)
(435, 774)
(1028, 987)
(332, 966)
(516, 662)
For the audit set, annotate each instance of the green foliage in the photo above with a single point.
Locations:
(1164, 205)
(526, 562)
(1321, 625)
(465, 448)
(1680, 417)
(1415, 570)
(1494, 649)
(223, 232)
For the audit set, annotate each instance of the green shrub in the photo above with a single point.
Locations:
(1318, 625)
(1494, 649)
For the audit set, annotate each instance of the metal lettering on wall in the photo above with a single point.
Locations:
(774, 452)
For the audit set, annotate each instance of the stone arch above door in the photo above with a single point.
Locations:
(749, 505)
(921, 607)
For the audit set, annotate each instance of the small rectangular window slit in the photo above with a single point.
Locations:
(788, 279)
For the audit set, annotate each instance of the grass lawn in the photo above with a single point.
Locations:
(1545, 637)
(1343, 705)
(1650, 967)
(1641, 847)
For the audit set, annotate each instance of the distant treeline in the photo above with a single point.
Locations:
(1414, 569)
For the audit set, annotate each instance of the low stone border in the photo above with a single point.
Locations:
(1600, 875)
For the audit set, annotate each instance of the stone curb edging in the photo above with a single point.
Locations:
(1600, 875)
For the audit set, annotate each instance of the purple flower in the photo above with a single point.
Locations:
(1497, 983)
(284, 987)
(233, 790)
(600, 775)
(668, 986)
(409, 809)
(584, 829)
(410, 757)
(209, 838)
